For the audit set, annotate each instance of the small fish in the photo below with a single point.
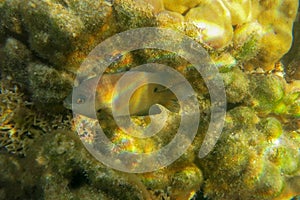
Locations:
(141, 100)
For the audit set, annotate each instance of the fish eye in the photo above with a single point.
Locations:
(80, 99)
(155, 89)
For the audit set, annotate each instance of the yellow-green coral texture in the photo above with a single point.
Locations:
(43, 43)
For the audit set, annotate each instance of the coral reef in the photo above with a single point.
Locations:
(212, 23)
(18, 123)
(261, 142)
(237, 85)
(43, 43)
(16, 57)
(47, 84)
(257, 155)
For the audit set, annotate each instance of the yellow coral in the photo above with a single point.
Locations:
(169, 18)
(240, 10)
(213, 22)
(270, 22)
(277, 37)
(180, 6)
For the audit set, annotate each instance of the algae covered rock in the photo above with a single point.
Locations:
(237, 85)
(134, 14)
(11, 20)
(16, 57)
(47, 84)
(50, 35)
(266, 92)
(248, 157)
(44, 42)
(70, 166)
(53, 36)
(63, 170)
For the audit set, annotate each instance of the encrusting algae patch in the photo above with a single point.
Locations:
(254, 44)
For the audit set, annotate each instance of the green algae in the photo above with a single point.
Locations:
(236, 84)
(266, 92)
(247, 51)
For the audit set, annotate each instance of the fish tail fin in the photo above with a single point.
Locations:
(172, 105)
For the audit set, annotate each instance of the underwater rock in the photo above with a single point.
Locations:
(51, 35)
(11, 20)
(63, 169)
(266, 92)
(21, 176)
(186, 182)
(47, 85)
(16, 57)
(70, 166)
(236, 84)
(134, 14)
(250, 165)
(55, 30)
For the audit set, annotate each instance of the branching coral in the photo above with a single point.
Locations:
(18, 123)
